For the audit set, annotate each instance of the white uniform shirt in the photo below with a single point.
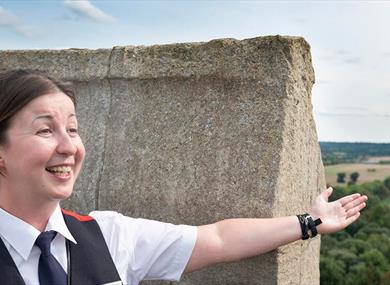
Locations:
(141, 249)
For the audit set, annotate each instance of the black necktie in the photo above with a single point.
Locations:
(50, 272)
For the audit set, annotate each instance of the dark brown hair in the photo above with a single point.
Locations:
(19, 87)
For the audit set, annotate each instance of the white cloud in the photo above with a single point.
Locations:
(6, 18)
(86, 9)
(9, 20)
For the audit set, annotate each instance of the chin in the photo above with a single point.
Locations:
(61, 194)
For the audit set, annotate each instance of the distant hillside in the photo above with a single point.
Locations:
(335, 153)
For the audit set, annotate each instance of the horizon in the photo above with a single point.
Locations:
(354, 142)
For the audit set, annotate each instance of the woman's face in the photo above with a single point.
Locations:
(43, 153)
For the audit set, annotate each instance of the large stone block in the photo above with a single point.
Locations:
(198, 132)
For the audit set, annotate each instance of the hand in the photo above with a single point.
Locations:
(338, 214)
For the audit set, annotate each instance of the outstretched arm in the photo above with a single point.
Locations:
(233, 239)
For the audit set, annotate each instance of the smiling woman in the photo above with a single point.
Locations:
(47, 123)
(41, 152)
(41, 155)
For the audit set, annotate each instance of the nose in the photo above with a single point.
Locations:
(66, 145)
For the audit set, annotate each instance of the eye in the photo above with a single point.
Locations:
(73, 131)
(44, 132)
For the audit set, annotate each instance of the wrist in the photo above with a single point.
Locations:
(308, 225)
(316, 217)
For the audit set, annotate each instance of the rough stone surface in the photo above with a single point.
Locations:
(198, 132)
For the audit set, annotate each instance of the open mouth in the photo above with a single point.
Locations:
(60, 171)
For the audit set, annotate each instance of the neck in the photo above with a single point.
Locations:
(33, 213)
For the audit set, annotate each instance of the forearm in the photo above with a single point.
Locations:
(248, 237)
(234, 239)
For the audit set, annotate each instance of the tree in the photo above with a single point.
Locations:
(380, 242)
(377, 264)
(387, 182)
(332, 271)
(354, 177)
(385, 279)
(360, 254)
(380, 214)
(341, 177)
(378, 188)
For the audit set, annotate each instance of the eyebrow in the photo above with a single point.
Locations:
(49, 117)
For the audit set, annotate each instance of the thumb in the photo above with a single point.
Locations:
(326, 194)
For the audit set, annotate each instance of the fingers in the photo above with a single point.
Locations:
(357, 202)
(347, 199)
(352, 219)
(356, 209)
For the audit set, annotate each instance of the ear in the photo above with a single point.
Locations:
(2, 162)
(2, 168)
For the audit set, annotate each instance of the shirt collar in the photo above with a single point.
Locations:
(21, 235)
(57, 223)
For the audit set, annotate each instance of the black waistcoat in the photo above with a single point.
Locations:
(90, 261)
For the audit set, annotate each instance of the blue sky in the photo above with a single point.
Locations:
(350, 43)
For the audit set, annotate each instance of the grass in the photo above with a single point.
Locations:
(376, 159)
(367, 172)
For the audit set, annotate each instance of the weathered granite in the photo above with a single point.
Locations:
(198, 132)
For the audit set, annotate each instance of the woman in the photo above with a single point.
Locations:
(41, 155)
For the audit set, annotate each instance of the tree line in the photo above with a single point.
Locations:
(360, 254)
(335, 153)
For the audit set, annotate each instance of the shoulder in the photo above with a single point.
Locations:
(112, 223)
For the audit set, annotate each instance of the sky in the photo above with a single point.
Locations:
(350, 43)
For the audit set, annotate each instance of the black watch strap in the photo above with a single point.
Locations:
(308, 226)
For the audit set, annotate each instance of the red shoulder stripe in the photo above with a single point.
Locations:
(77, 216)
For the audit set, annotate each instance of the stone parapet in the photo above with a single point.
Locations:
(197, 132)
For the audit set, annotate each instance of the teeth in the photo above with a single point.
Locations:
(59, 169)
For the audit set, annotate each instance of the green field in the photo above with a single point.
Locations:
(367, 172)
